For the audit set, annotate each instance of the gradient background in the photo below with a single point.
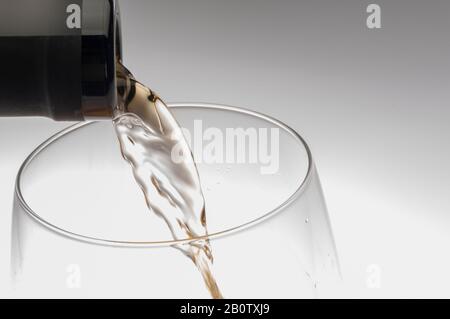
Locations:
(372, 104)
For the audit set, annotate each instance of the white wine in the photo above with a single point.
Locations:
(147, 133)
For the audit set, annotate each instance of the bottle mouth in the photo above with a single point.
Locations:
(101, 51)
(118, 32)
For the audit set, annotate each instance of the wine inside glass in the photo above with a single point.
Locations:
(81, 227)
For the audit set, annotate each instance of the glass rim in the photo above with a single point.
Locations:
(143, 244)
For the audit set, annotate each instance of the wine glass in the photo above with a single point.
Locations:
(81, 227)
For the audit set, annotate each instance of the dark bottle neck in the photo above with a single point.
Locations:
(52, 68)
